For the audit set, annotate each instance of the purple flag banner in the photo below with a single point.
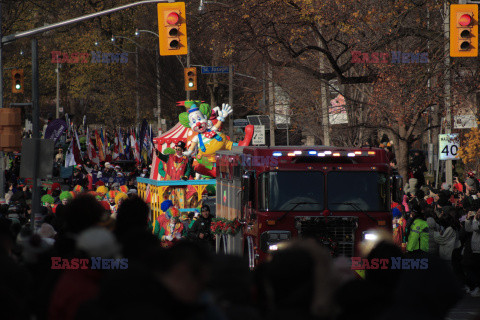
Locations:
(55, 129)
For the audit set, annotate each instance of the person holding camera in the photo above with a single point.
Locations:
(472, 256)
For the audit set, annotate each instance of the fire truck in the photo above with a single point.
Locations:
(334, 195)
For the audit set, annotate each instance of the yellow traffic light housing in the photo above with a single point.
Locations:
(17, 81)
(463, 30)
(190, 75)
(172, 28)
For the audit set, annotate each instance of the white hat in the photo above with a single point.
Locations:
(107, 164)
(98, 242)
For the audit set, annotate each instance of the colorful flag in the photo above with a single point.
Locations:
(77, 153)
(101, 153)
(135, 148)
(120, 140)
(92, 154)
(69, 157)
(128, 148)
(116, 153)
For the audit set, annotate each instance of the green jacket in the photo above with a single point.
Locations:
(418, 237)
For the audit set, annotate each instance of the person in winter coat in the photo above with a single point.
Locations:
(417, 232)
(200, 229)
(447, 239)
(433, 226)
(472, 268)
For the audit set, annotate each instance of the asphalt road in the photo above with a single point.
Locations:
(467, 309)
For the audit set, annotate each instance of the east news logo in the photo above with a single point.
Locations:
(94, 263)
(394, 263)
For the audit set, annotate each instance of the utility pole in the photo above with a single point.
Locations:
(271, 105)
(188, 66)
(57, 113)
(137, 116)
(324, 102)
(2, 161)
(159, 97)
(448, 94)
(230, 100)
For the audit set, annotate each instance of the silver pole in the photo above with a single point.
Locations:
(159, 97)
(448, 109)
(230, 100)
(137, 116)
(35, 31)
(57, 114)
(36, 135)
(2, 168)
(188, 66)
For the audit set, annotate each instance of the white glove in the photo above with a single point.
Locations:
(169, 237)
(226, 110)
(187, 153)
(178, 236)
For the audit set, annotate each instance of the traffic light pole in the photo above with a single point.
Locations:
(2, 167)
(448, 94)
(188, 66)
(36, 136)
(230, 100)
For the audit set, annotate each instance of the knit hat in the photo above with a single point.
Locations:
(78, 189)
(120, 196)
(46, 231)
(102, 189)
(166, 204)
(47, 199)
(123, 189)
(470, 182)
(396, 213)
(99, 183)
(98, 242)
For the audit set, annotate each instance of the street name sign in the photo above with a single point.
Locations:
(212, 69)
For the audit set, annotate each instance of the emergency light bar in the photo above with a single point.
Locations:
(325, 153)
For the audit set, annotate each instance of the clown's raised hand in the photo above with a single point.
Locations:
(226, 110)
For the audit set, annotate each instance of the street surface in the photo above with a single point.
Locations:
(466, 309)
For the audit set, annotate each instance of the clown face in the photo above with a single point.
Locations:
(198, 121)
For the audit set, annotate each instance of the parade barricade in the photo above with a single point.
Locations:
(154, 190)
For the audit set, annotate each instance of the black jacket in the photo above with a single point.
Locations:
(201, 225)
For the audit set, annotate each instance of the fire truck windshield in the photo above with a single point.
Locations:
(367, 190)
(291, 190)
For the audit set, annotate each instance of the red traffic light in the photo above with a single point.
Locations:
(465, 20)
(172, 18)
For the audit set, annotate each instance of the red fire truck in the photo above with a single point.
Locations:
(331, 194)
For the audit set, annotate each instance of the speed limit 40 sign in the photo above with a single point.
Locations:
(448, 146)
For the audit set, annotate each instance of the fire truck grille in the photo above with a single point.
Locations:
(336, 233)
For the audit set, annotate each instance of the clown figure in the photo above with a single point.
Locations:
(208, 139)
(168, 227)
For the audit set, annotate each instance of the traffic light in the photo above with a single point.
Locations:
(172, 28)
(190, 79)
(463, 30)
(17, 81)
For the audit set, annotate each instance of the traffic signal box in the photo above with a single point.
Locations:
(10, 129)
(190, 75)
(463, 30)
(172, 28)
(17, 81)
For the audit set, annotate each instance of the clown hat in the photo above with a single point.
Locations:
(78, 189)
(47, 199)
(120, 196)
(124, 189)
(102, 189)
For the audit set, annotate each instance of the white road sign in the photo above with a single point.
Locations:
(448, 145)
(258, 135)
